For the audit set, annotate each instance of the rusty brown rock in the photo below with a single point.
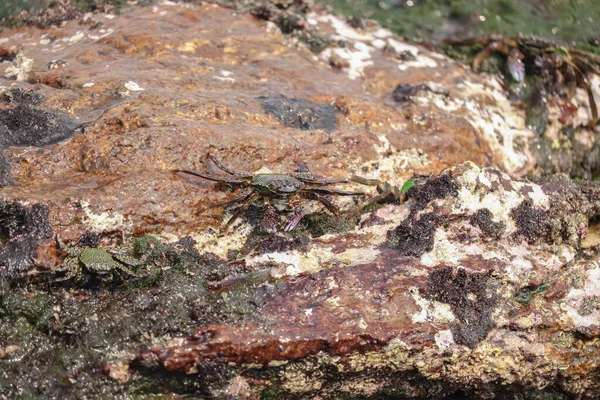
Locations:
(195, 90)
(462, 313)
(421, 292)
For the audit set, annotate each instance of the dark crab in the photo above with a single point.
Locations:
(560, 66)
(292, 188)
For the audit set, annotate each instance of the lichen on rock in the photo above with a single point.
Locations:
(475, 283)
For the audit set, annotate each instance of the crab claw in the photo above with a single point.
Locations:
(270, 224)
(270, 218)
(293, 221)
(515, 65)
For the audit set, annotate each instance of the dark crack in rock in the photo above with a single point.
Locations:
(21, 228)
(299, 113)
(467, 295)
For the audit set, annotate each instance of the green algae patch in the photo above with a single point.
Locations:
(435, 20)
(63, 333)
(526, 294)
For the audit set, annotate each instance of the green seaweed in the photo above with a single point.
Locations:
(562, 20)
(527, 293)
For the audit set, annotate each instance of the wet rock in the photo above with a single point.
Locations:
(4, 172)
(29, 126)
(299, 113)
(457, 300)
(21, 228)
(435, 296)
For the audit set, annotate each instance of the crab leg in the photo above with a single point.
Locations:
(270, 217)
(306, 174)
(302, 176)
(210, 177)
(389, 190)
(219, 164)
(485, 53)
(384, 189)
(588, 88)
(253, 196)
(323, 200)
(71, 266)
(296, 205)
(242, 196)
(318, 190)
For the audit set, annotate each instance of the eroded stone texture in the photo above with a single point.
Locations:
(170, 96)
(476, 284)
(352, 306)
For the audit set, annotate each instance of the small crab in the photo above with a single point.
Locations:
(292, 188)
(559, 65)
(96, 261)
(55, 64)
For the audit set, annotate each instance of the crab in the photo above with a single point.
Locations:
(96, 261)
(292, 188)
(560, 66)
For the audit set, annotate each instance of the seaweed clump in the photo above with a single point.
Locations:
(413, 236)
(531, 223)
(79, 340)
(467, 295)
(483, 219)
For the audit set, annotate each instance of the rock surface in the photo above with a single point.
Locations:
(479, 284)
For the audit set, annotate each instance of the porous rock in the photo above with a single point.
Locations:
(478, 284)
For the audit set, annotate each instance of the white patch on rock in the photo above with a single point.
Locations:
(358, 58)
(362, 324)
(576, 297)
(499, 122)
(333, 301)
(103, 33)
(538, 197)
(284, 263)
(20, 69)
(363, 43)
(105, 221)
(474, 195)
(446, 251)
(393, 166)
(209, 241)
(431, 311)
(45, 40)
(76, 37)
(225, 78)
(444, 339)
(132, 86)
